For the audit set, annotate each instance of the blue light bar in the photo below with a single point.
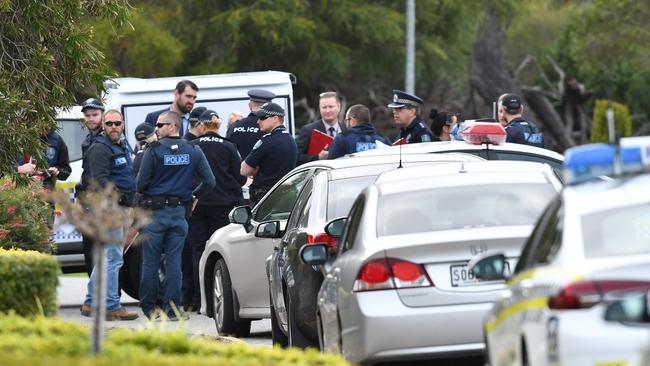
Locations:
(586, 162)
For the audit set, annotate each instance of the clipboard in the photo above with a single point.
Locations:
(318, 142)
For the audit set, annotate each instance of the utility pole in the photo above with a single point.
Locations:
(410, 47)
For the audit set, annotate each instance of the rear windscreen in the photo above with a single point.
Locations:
(342, 193)
(452, 208)
(620, 231)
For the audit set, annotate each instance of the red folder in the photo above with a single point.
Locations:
(401, 141)
(318, 142)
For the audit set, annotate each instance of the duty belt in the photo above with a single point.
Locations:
(158, 202)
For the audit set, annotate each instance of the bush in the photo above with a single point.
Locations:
(28, 284)
(622, 121)
(53, 341)
(23, 217)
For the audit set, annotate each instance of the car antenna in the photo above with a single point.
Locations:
(400, 157)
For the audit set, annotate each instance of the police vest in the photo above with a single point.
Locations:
(361, 138)
(121, 165)
(533, 135)
(174, 168)
(52, 149)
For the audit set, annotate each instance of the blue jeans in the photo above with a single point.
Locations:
(114, 262)
(166, 234)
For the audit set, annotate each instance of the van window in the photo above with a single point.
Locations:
(73, 133)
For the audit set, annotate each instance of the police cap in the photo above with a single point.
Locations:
(207, 116)
(143, 131)
(511, 103)
(404, 99)
(195, 114)
(270, 109)
(260, 95)
(92, 103)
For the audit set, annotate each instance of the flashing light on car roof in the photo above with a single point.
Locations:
(587, 162)
(484, 133)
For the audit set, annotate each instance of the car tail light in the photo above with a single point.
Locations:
(585, 294)
(390, 273)
(321, 238)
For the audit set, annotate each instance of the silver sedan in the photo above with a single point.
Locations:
(399, 286)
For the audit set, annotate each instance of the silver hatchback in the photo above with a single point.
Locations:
(401, 266)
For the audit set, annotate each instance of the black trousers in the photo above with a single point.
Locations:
(87, 243)
(204, 222)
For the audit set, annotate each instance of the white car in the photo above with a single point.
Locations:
(590, 244)
(233, 278)
(398, 287)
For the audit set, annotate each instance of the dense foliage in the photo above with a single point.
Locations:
(622, 121)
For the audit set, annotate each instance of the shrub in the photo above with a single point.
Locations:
(53, 341)
(622, 121)
(23, 217)
(28, 284)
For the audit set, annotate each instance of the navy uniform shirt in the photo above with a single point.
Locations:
(225, 163)
(359, 138)
(417, 131)
(245, 133)
(275, 154)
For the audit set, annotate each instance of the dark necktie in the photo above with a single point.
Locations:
(331, 131)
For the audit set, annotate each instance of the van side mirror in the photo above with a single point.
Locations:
(489, 267)
(241, 215)
(631, 308)
(335, 227)
(269, 229)
(314, 254)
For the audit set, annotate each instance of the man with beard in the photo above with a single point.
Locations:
(109, 161)
(184, 99)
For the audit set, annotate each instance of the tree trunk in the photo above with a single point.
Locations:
(99, 298)
(549, 119)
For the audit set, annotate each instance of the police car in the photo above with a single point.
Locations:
(485, 139)
(590, 244)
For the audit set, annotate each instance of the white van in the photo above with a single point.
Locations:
(136, 97)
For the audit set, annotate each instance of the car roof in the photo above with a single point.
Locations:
(356, 166)
(444, 146)
(605, 194)
(466, 173)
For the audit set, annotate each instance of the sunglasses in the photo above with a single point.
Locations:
(264, 118)
(113, 123)
(161, 125)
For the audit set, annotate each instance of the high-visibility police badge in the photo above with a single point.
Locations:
(181, 159)
(257, 144)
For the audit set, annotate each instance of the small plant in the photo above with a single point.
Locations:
(622, 121)
(24, 215)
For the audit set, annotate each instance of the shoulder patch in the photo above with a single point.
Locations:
(426, 138)
(257, 144)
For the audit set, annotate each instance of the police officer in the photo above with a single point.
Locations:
(58, 161)
(191, 133)
(92, 110)
(406, 113)
(246, 132)
(109, 161)
(360, 135)
(212, 209)
(145, 134)
(518, 129)
(274, 155)
(165, 180)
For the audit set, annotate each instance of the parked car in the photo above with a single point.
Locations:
(234, 286)
(628, 319)
(398, 286)
(590, 243)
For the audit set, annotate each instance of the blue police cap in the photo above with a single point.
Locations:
(92, 103)
(143, 131)
(196, 113)
(404, 99)
(260, 95)
(207, 116)
(270, 109)
(511, 103)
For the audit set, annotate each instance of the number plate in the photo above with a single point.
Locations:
(461, 276)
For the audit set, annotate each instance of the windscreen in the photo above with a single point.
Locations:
(619, 231)
(342, 193)
(452, 208)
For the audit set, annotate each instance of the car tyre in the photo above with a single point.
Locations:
(296, 337)
(524, 354)
(277, 335)
(224, 307)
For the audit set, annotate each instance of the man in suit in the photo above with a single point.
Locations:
(184, 98)
(330, 107)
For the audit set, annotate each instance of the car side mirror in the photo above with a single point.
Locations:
(489, 267)
(631, 308)
(269, 229)
(241, 215)
(335, 227)
(314, 254)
